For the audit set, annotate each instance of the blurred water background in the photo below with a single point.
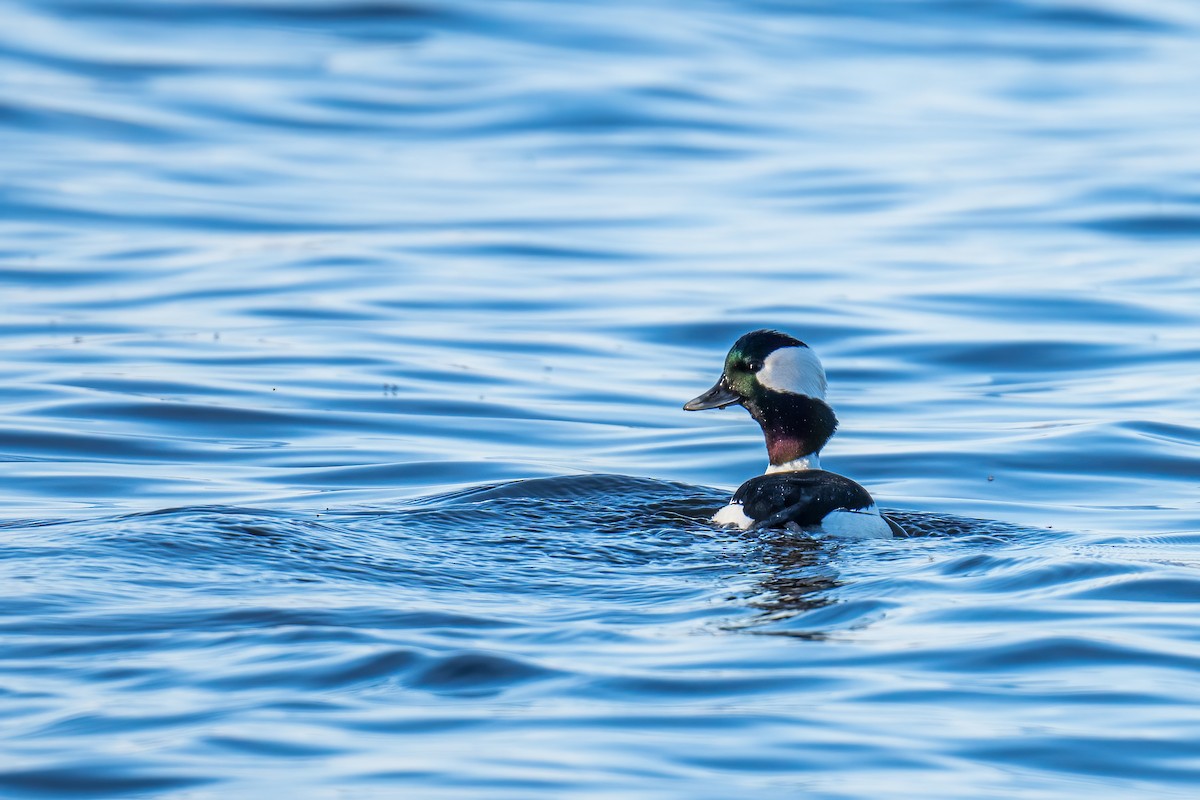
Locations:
(291, 289)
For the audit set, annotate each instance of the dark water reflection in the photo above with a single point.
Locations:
(335, 337)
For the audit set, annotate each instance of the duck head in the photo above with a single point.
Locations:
(781, 382)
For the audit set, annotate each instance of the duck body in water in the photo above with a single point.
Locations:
(781, 382)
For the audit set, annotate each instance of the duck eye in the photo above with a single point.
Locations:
(754, 366)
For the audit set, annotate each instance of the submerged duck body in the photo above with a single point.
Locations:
(781, 382)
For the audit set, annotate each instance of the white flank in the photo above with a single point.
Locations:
(842, 523)
(732, 514)
(809, 461)
(794, 369)
(864, 524)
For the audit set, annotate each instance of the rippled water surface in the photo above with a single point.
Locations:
(342, 349)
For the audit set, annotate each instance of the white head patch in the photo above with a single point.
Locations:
(794, 369)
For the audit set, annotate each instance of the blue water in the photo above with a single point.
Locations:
(342, 350)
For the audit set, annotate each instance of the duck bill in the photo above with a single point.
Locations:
(718, 396)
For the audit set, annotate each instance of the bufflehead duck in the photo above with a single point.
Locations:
(781, 382)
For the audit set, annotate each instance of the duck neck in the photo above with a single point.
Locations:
(795, 427)
(810, 461)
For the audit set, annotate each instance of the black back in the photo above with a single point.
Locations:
(803, 497)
